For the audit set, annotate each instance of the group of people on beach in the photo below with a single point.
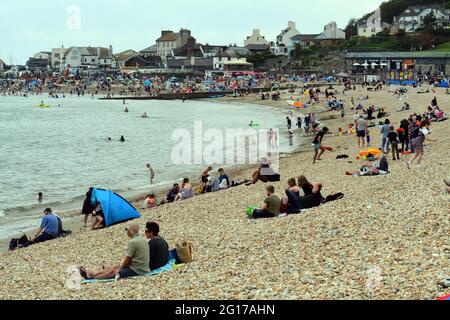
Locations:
(299, 195)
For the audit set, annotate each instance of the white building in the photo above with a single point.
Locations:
(56, 57)
(332, 32)
(255, 38)
(279, 49)
(372, 25)
(286, 35)
(413, 17)
(43, 55)
(86, 57)
(2, 65)
(226, 56)
(170, 40)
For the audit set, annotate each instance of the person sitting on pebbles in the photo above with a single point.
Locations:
(136, 262)
(265, 173)
(271, 206)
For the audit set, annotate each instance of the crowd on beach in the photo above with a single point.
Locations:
(405, 139)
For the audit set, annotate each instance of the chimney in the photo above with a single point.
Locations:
(291, 25)
(110, 51)
(256, 32)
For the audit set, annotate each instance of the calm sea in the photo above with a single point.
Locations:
(63, 150)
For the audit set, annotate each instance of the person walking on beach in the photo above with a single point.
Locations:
(151, 173)
(417, 142)
(317, 145)
(385, 129)
(393, 140)
(136, 262)
(361, 130)
(299, 123)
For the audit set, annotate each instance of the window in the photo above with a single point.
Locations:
(92, 60)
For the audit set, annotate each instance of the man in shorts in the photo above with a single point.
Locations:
(136, 262)
(361, 130)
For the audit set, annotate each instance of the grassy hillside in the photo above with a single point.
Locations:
(445, 47)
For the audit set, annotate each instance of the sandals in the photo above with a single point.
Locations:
(83, 273)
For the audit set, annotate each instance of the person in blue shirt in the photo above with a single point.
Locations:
(49, 229)
(223, 177)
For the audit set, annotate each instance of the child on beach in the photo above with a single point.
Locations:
(317, 144)
(149, 202)
(368, 138)
(393, 139)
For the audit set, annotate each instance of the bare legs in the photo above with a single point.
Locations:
(107, 272)
(418, 155)
(97, 222)
(317, 155)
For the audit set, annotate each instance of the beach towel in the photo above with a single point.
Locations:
(445, 298)
(173, 264)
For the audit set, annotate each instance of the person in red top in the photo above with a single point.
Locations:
(149, 202)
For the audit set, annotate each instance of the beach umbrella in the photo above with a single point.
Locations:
(365, 64)
(383, 64)
(356, 64)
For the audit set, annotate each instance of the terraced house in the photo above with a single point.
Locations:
(413, 18)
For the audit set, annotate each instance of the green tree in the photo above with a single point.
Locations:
(429, 19)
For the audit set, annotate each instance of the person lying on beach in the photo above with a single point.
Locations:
(172, 194)
(270, 207)
(265, 173)
(159, 249)
(186, 191)
(135, 263)
(369, 169)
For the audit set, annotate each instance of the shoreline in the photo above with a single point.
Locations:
(393, 226)
(73, 219)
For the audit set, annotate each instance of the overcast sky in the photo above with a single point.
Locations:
(30, 26)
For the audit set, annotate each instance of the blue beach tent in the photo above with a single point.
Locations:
(443, 84)
(115, 208)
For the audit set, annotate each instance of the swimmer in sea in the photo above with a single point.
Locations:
(145, 116)
(126, 110)
(109, 139)
(251, 124)
(40, 197)
(122, 139)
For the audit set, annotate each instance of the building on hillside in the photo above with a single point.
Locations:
(226, 56)
(170, 40)
(242, 51)
(286, 35)
(43, 55)
(255, 39)
(150, 51)
(190, 65)
(211, 51)
(38, 64)
(372, 25)
(121, 59)
(190, 49)
(399, 65)
(413, 18)
(329, 37)
(257, 48)
(278, 49)
(306, 41)
(331, 32)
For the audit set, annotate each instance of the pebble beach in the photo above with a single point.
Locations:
(388, 238)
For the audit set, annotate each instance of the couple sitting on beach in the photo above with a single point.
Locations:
(211, 183)
(142, 255)
(51, 228)
(178, 193)
(298, 197)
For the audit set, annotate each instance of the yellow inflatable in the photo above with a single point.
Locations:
(374, 152)
(43, 106)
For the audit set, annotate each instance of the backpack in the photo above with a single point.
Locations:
(384, 165)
